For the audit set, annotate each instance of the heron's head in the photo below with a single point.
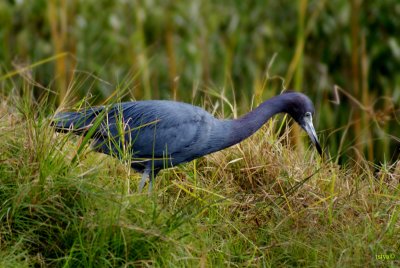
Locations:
(301, 109)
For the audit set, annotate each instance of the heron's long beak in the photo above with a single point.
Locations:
(309, 128)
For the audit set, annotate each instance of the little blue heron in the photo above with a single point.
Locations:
(161, 134)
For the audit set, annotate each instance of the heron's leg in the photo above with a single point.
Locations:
(145, 176)
(152, 176)
(150, 185)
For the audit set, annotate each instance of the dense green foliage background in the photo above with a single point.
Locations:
(261, 203)
(184, 49)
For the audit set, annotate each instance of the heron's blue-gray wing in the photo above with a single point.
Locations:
(155, 129)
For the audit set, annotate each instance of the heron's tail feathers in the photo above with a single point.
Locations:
(75, 122)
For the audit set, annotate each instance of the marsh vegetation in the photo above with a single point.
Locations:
(269, 201)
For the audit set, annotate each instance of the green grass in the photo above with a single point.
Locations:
(259, 203)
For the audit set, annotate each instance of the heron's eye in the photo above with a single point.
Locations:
(308, 114)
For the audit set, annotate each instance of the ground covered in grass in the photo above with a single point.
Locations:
(260, 203)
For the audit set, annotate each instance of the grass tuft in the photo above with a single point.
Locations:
(259, 203)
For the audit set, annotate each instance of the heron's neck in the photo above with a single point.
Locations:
(246, 125)
(226, 133)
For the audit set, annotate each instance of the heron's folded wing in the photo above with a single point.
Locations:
(155, 128)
